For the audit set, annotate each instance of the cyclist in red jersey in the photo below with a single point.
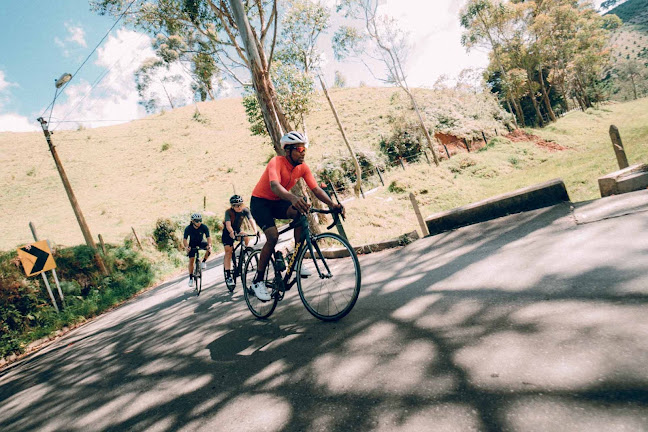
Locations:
(272, 200)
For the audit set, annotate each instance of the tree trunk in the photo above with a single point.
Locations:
(545, 97)
(273, 116)
(508, 103)
(535, 102)
(425, 131)
(520, 113)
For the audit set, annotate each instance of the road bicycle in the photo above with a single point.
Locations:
(331, 290)
(197, 271)
(238, 263)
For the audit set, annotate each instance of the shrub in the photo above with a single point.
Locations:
(405, 142)
(164, 234)
(395, 187)
(340, 171)
(26, 313)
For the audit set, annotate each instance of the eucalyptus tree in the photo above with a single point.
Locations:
(488, 24)
(240, 38)
(383, 40)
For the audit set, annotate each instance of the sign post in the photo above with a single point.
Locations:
(36, 258)
(58, 285)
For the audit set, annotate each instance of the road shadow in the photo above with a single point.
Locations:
(495, 327)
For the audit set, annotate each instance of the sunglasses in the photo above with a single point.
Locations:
(300, 149)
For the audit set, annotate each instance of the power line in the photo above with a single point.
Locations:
(89, 55)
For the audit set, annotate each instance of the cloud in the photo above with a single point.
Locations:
(16, 123)
(4, 84)
(114, 98)
(76, 34)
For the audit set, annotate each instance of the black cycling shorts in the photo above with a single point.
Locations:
(265, 211)
(227, 240)
(203, 246)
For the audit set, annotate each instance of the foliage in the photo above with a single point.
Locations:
(340, 170)
(164, 234)
(543, 52)
(340, 80)
(404, 143)
(26, 313)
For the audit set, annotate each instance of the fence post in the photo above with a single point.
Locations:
(446, 149)
(400, 159)
(204, 202)
(467, 146)
(103, 245)
(484, 136)
(380, 176)
(418, 215)
(136, 238)
(426, 157)
(617, 144)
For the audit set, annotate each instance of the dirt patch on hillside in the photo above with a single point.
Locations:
(455, 144)
(519, 135)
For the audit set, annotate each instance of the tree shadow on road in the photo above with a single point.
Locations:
(489, 328)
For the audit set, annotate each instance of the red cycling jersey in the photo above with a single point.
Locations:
(280, 169)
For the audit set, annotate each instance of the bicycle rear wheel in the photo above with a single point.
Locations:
(333, 287)
(259, 308)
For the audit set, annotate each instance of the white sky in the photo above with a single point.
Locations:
(433, 26)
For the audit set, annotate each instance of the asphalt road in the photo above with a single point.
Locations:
(533, 322)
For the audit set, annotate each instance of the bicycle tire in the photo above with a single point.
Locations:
(198, 277)
(332, 298)
(233, 264)
(259, 308)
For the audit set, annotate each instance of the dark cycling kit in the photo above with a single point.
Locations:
(236, 224)
(195, 236)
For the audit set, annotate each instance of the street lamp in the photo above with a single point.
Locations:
(66, 77)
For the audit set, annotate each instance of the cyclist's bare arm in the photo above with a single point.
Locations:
(297, 202)
(323, 196)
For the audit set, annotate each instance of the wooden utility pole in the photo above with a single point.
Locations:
(75, 205)
(358, 185)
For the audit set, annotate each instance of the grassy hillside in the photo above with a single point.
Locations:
(162, 166)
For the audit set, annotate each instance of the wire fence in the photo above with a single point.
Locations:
(373, 177)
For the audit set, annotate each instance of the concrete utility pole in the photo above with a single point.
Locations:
(75, 205)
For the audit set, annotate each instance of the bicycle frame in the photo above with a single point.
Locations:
(237, 263)
(285, 283)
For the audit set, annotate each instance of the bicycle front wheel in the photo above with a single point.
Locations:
(198, 278)
(259, 308)
(332, 288)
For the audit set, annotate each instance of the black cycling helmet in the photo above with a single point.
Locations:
(236, 199)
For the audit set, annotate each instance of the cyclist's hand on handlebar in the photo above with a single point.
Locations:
(188, 249)
(300, 204)
(340, 208)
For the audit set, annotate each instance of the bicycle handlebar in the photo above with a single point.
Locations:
(242, 236)
(336, 213)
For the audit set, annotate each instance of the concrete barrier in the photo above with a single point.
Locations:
(530, 198)
(629, 179)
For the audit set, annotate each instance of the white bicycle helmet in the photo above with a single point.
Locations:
(294, 138)
(196, 217)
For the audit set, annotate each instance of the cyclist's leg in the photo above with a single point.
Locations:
(227, 262)
(272, 237)
(293, 214)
